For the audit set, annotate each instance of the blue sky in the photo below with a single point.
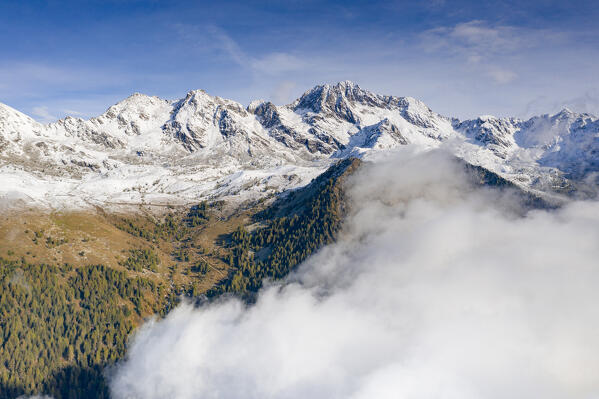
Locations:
(462, 58)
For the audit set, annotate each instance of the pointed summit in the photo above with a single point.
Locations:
(336, 100)
(136, 106)
(346, 85)
(15, 124)
(8, 113)
(565, 113)
(200, 138)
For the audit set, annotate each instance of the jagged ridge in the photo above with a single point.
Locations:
(150, 150)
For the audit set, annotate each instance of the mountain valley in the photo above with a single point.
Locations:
(116, 219)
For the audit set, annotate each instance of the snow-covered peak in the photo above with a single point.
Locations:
(15, 125)
(202, 121)
(9, 114)
(200, 140)
(11, 117)
(497, 134)
(413, 103)
(565, 113)
(136, 106)
(134, 116)
(334, 100)
(200, 99)
(254, 104)
(548, 130)
(347, 84)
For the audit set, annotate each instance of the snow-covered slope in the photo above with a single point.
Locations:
(155, 151)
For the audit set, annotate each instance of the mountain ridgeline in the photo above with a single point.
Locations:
(114, 219)
(148, 150)
(295, 227)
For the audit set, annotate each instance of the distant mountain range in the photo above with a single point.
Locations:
(154, 151)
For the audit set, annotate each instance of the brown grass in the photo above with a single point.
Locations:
(91, 237)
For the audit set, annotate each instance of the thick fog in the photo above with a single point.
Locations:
(436, 289)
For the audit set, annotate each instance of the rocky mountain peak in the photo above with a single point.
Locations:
(201, 138)
(333, 100)
(254, 104)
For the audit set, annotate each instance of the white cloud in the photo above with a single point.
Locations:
(283, 92)
(482, 38)
(585, 102)
(228, 45)
(477, 35)
(43, 115)
(435, 289)
(474, 58)
(489, 48)
(269, 63)
(72, 112)
(500, 75)
(435, 4)
(275, 63)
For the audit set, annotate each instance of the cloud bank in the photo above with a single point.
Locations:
(435, 289)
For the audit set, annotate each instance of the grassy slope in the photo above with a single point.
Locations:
(45, 256)
(71, 268)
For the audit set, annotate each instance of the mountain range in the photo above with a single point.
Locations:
(148, 150)
(119, 217)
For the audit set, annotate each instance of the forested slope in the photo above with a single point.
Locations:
(62, 323)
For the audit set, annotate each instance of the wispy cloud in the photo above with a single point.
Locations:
(225, 43)
(483, 38)
(283, 92)
(500, 75)
(453, 67)
(278, 63)
(488, 48)
(42, 114)
(269, 63)
(588, 102)
(214, 38)
(51, 91)
(276, 67)
(449, 67)
(72, 112)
